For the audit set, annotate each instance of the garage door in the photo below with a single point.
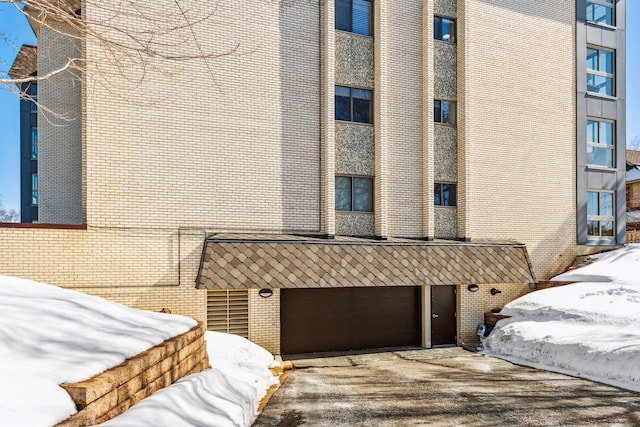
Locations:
(339, 319)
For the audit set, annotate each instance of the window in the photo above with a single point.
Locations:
(444, 194)
(354, 16)
(600, 217)
(354, 105)
(34, 189)
(600, 12)
(34, 143)
(444, 29)
(354, 194)
(600, 75)
(444, 112)
(33, 93)
(600, 143)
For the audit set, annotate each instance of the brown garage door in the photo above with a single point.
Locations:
(316, 320)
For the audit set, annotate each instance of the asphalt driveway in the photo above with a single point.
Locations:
(441, 387)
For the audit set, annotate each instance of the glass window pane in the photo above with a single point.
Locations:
(448, 194)
(600, 156)
(362, 106)
(343, 193)
(606, 229)
(599, 84)
(437, 113)
(606, 61)
(362, 17)
(343, 15)
(343, 103)
(606, 133)
(363, 194)
(447, 30)
(437, 28)
(449, 112)
(593, 228)
(592, 59)
(34, 143)
(592, 131)
(590, 11)
(592, 203)
(445, 112)
(606, 204)
(599, 13)
(34, 189)
(362, 94)
(437, 194)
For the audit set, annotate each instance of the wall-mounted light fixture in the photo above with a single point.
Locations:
(265, 293)
(495, 291)
(473, 288)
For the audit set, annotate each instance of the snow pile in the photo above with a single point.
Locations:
(226, 395)
(589, 329)
(50, 335)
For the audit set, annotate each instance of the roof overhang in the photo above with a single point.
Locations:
(25, 64)
(37, 11)
(255, 262)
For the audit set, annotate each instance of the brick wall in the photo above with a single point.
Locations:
(59, 132)
(229, 143)
(136, 268)
(264, 320)
(473, 305)
(516, 133)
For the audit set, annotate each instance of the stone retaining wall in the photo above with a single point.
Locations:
(112, 392)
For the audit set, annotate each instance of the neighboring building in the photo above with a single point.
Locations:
(26, 66)
(361, 174)
(633, 196)
(633, 180)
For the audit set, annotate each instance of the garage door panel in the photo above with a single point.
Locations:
(314, 320)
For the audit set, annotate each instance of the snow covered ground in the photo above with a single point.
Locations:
(589, 329)
(50, 336)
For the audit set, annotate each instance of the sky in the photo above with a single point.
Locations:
(15, 31)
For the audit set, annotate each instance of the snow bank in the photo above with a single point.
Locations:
(50, 335)
(589, 329)
(226, 395)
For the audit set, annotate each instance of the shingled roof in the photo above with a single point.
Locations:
(633, 157)
(242, 262)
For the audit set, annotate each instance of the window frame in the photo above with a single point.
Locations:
(452, 34)
(602, 218)
(600, 73)
(605, 3)
(455, 111)
(351, 200)
(351, 108)
(351, 28)
(441, 185)
(601, 145)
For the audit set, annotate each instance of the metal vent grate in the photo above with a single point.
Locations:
(228, 311)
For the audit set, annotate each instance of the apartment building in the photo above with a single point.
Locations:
(26, 66)
(344, 174)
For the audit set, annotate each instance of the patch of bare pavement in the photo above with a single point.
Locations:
(441, 387)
